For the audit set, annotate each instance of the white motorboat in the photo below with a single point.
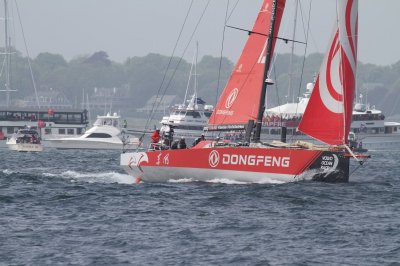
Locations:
(25, 140)
(106, 133)
(188, 120)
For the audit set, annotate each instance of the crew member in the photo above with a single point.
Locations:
(156, 136)
(197, 141)
(182, 143)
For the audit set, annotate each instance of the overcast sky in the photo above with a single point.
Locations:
(126, 28)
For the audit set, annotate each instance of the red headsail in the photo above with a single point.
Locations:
(239, 102)
(329, 111)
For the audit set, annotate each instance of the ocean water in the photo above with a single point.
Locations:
(79, 208)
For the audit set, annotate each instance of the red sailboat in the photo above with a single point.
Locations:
(241, 107)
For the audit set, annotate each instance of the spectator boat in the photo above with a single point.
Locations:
(25, 140)
(106, 134)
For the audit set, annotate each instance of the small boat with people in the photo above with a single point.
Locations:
(107, 133)
(25, 140)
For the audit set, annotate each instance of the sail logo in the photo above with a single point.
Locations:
(330, 78)
(231, 98)
(213, 158)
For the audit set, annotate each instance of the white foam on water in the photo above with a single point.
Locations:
(226, 181)
(8, 172)
(270, 181)
(105, 177)
(49, 175)
(183, 180)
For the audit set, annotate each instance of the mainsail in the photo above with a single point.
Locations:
(329, 111)
(239, 102)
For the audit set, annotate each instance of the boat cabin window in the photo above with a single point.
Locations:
(70, 131)
(79, 131)
(61, 131)
(68, 117)
(10, 130)
(368, 116)
(106, 122)
(99, 135)
(359, 107)
(207, 114)
(193, 114)
(189, 127)
(47, 131)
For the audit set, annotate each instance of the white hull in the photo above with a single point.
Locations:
(25, 147)
(105, 134)
(87, 144)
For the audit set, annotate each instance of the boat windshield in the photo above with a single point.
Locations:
(106, 122)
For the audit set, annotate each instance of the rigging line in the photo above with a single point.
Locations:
(221, 53)
(2, 67)
(28, 56)
(176, 68)
(183, 53)
(169, 64)
(307, 34)
(395, 105)
(233, 9)
(166, 70)
(361, 164)
(190, 77)
(276, 87)
(286, 40)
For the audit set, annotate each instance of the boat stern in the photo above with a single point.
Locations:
(331, 167)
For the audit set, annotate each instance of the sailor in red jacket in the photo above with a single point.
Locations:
(156, 136)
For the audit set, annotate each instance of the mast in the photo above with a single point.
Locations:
(7, 55)
(266, 80)
(290, 92)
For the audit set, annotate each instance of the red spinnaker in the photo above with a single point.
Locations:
(329, 111)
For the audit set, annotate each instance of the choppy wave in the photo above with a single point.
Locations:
(102, 177)
(68, 208)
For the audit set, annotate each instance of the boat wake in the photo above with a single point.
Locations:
(104, 177)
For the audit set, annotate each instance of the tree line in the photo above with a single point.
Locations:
(146, 75)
